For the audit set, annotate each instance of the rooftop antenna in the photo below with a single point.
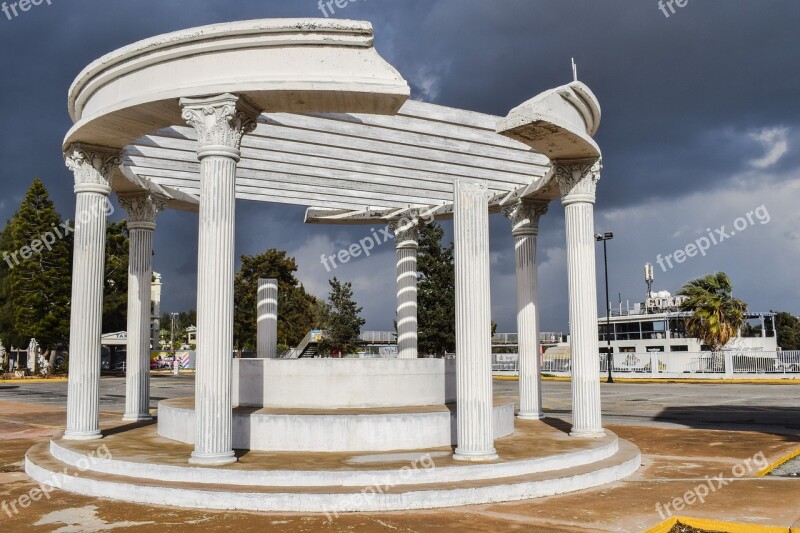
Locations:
(574, 70)
(648, 278)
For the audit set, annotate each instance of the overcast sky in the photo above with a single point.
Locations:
(700, 127)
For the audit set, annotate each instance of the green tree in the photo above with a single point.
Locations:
(436, 293)
(8, 333)
(115, 290)
(183, 321)
(296, 308)
(38, 287)
(788, 331)
(716, 314)
(343, 322)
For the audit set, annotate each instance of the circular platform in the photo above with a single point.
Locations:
(340, 430)
(135, 464)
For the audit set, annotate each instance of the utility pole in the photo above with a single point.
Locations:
(176, 368)
(605, 237)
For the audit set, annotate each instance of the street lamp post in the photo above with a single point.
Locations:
(605, 237)
(175, 369)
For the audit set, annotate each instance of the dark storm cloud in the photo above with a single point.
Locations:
(682, 99)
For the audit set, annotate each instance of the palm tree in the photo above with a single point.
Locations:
(716, 314)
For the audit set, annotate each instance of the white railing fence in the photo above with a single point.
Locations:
(672, 364)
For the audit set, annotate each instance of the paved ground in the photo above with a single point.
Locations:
(765, 407)
(682, 430)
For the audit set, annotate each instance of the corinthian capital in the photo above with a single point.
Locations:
(406, 232)
(221, 122)
(525, 215)
(92, 166)
(577, 179)
(142, 209)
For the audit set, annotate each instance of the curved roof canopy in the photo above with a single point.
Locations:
(337, 133)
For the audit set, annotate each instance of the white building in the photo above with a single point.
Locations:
(659, 325)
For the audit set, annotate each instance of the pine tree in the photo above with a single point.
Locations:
(436, 293)
(343, 323)
(115, 290)
(39, 284)
(8, 333)
(296, 308)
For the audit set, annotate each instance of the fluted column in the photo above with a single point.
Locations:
(406, 238)
(473, 323)
(524, 216)
(221, 122)
(577, 180)
(93, 168)
(142, 209)
(267, 321)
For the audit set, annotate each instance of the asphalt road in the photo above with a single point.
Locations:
(772, 408)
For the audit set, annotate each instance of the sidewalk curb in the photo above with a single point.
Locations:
(676, 380)
(715, 525)
(785, 459)
(34, 380)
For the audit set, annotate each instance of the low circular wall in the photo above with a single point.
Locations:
(343, 383)
(359, 430)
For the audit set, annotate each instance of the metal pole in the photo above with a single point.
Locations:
(175, 368)
(610, 354)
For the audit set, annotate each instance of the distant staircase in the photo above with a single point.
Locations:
(308, 347)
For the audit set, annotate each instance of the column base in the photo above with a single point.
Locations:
(490, 455)
(220, 459)
(530, 416)
(83, 435)
(137, 418)
(587, 433)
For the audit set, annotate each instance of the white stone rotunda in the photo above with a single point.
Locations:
(306, 112)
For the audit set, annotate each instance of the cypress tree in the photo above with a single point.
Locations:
(115, 289)
(343, 321)
(436, 293)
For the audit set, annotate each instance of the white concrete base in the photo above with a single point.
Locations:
(475, 457)
(137, 418)
(587, 434)
(332, 431)
(92, 435)
(343, 383)
(221, 459)
(504, 486)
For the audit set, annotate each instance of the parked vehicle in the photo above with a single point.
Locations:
(788, 362)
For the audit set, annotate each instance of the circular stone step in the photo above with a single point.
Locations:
(375, 496)
(420, 467)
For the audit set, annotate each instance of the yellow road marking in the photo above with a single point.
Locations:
(715, 525)
(785, 459)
